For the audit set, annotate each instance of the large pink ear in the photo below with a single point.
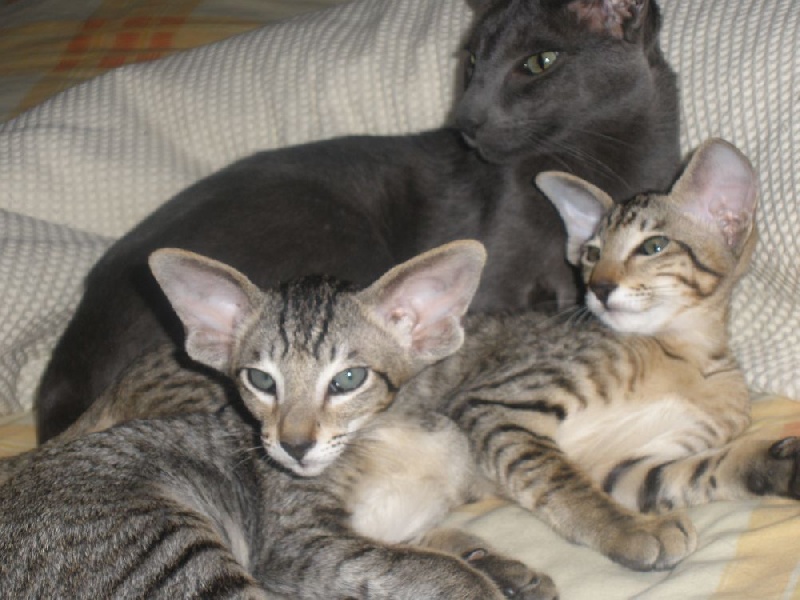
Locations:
(210, 298)
(580, 204)
(421, 301)
(719, 188)
(621, 19)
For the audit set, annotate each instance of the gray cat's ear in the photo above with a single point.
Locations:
(210, 298)
(580, 204)
(719, 188)
(621, 19)
(480, 6)
(421, 301)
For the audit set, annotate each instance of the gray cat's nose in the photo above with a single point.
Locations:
(297, 450)
(602, 290)
(468, 127)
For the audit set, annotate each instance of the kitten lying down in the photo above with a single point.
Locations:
(250, 499)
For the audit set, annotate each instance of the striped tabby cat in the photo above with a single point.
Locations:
(206, 504)
(638, 409)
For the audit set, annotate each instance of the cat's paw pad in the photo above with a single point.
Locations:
(782, 478)
(514, 578)
(655, 542)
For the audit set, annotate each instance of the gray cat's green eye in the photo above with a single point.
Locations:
(592, 254)
(261, 380)
(472, 59)
(540, 62)
(347, 380)
(653, 245)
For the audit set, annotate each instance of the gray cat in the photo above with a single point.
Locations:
(577, 85)
(206, 504)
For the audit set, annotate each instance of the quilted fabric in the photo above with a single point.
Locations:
(91, 162)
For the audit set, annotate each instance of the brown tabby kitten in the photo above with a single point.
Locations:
(588, 422)
(208, 505)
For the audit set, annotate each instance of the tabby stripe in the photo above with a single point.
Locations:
(651, 486)
(282, 320)
(521, 374)
(699, 471)
(619, 471)
(537, 406)
(458, 413)
(331, 300)
(567, 385)
(391, 385)
(696, 261)
(145, 554)
(508, 428)
(667, 352)
(189, 553)
(599, 381)
(536, 457)
(228, 584)
(309, 553)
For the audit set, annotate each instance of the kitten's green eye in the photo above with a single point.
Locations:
(472, 59)
(653, 245)
(539, 63)
(592, 254)
(261, 380)
(348, 380)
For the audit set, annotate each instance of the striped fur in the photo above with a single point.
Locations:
(216, 504)
(592, 421)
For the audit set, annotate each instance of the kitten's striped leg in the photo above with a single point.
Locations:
(745, 468)
(516, 579)
(332, 563)
(530, 469)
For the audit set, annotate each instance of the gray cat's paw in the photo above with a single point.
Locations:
(514, 578)
(653, 542)
(778, 470)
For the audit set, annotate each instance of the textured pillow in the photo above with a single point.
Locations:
(97, 158)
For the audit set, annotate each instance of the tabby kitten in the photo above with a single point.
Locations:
(577, 85)
(591, 422)
(206, 504)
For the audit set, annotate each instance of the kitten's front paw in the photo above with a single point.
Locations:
(514, 578)
(653, 542)
(778, 472)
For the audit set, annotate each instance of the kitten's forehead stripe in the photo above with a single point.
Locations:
(309, 306)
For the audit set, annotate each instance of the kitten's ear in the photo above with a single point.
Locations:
(422, 301)
(210, 298)
(719, 188)
(580, 204)
(621, 19)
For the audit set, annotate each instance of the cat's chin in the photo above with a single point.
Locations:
(490, 153)
(635, 322)
(307, 467)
